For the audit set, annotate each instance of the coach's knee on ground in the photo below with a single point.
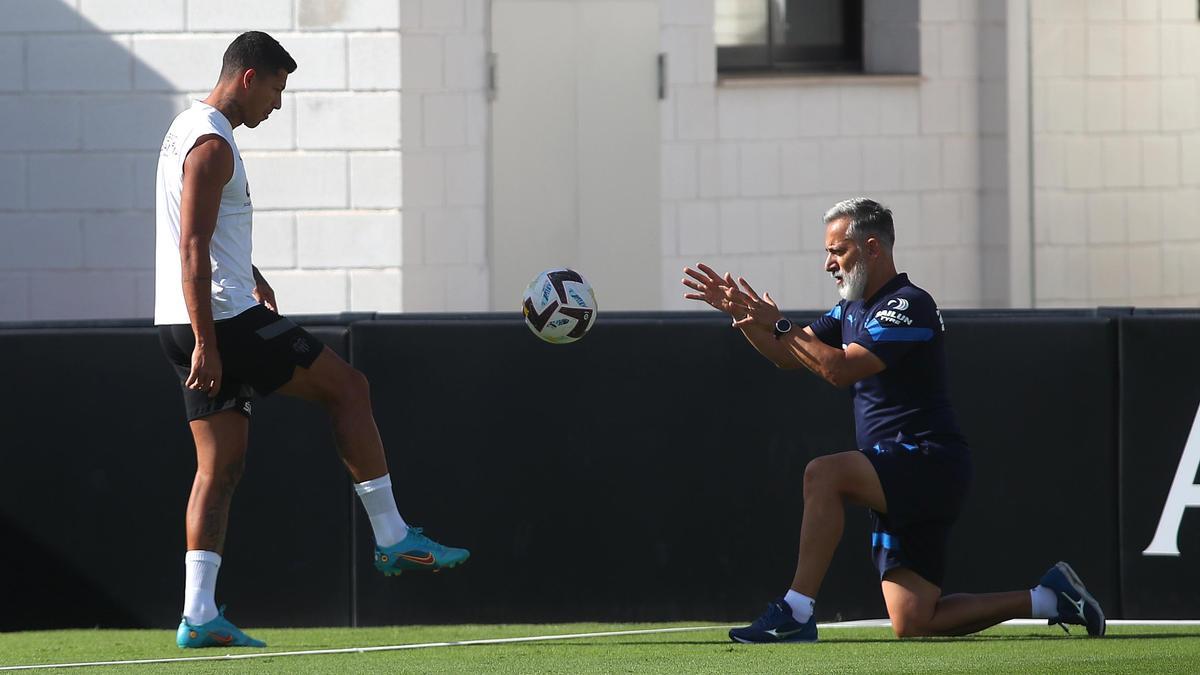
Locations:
(909, 625)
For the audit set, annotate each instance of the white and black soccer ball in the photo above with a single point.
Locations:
(559, 306)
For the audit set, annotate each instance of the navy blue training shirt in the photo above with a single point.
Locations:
(902, 326)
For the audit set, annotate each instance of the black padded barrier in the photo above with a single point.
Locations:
(654, 469)
(1036, 397)
(1160, 395)
(97, 465)
(651, 471)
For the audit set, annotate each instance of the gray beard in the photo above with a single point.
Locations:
(854, 284)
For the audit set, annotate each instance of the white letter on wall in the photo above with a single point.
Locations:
(1183, 494)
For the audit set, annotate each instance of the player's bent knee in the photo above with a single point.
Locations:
(821, 475)
(352, 388)
(910, 621)
(814, 475)
(909, 627)
(359, 385)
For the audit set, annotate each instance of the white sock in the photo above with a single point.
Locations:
(802, 605)
(200, 587)
(1043, 603)
(377, 498)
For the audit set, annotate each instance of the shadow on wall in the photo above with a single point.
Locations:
(89, 598)
(83, 118)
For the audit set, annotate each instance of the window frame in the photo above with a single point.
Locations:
(774, 58)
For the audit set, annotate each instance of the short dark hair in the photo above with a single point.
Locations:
(256, 50)
(867, 218)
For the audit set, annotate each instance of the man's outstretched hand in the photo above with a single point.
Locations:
(712, 288)
(754, 309)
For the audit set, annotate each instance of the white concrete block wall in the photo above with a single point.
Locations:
(114, 17)
(992, 149)
(87, 89)
(750, 166)
(1115, 123)
(444, 113)
(372, 184)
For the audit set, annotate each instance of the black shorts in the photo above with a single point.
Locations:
(925, 483)
(259, 352)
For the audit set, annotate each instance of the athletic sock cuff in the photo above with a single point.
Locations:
(368, 486)
(203, 556)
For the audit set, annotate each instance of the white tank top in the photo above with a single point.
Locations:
(229, 249)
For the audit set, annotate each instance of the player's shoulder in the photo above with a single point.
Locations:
(215, 118)
(211, 147)
(908, 295)
(192, 116)
(198, 122)
(210, 160)
(906, 305)
(199, 119)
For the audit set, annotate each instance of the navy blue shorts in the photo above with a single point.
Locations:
(925, 483)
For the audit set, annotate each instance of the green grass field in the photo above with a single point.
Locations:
(1024, 649)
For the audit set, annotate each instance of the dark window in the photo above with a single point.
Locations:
(789, 35)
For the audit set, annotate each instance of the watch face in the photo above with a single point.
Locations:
(783, 326)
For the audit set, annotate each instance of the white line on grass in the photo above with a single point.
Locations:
(885, 623)
(363, 650)
(864, 623)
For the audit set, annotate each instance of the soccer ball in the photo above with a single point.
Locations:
(559, 306)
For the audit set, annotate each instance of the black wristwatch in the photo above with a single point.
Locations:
(782, 326)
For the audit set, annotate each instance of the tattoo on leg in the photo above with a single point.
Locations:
(212, 527)
(215, 517)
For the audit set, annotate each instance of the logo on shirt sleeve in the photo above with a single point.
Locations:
(893, 314)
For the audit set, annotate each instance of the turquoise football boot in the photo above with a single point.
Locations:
(419, 553)
(216, 633)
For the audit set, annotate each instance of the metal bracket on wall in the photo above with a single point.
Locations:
(662, 76)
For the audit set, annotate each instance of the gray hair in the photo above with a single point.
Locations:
(867, 218)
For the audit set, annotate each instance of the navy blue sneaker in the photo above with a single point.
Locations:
(1075, 604)
(777, 625)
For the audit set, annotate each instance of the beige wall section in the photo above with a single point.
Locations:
(1018, 254)
(444, 130)
(749, 166)
(619, 152)
(372, 183)
(535, 163)
(87, 90)
(1116, 138)
(575, 147)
